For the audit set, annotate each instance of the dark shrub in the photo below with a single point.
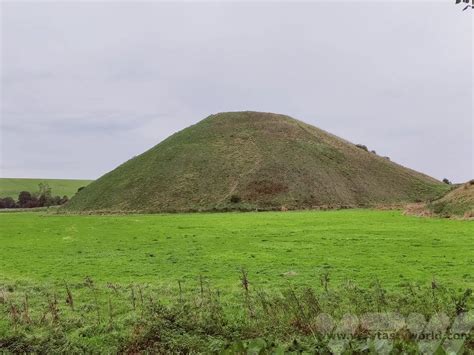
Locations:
(34, 202)
(27, 200)
(43, 201)
(7, 202)
(235, 199)
(24, 199)
(438, 207)
(373, 152)
(361, 146)
(56, 200)
(81, 188)
(45, 196)
(446, 181)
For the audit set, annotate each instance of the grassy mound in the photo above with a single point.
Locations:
(252, 160)
(458, 202)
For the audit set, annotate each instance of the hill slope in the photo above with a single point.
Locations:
(458, 202)
(11, 187)
(248, 160)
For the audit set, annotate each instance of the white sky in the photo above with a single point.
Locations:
(88, 85)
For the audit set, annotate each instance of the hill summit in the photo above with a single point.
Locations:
(253, 160)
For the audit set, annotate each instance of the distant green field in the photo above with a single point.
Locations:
(11, 187)
(173, 283)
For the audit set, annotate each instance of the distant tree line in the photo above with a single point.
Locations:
(41, 198)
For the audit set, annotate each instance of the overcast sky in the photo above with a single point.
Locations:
(88, 85)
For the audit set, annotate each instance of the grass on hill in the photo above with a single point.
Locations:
(253, 160)
(458, 202)
(11, 187)
(174, 283)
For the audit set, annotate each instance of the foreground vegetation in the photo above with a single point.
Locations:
(11, 187)
(84, 317)
(217, 282)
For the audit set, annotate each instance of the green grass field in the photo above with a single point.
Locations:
(121, 270)
(353, 244)
(11, 187)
